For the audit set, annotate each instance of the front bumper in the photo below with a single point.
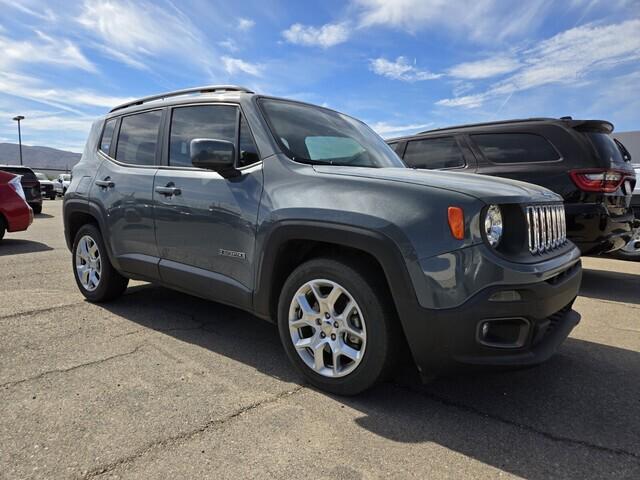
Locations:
(446, 340)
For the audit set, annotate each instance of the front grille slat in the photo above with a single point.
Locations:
(547, 228)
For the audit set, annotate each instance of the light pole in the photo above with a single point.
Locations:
(17, 119)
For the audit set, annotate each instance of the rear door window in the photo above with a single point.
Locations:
(515, 147)
(216, 122)
(433, 153)
(138, 138)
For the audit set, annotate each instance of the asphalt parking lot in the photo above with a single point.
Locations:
(163, 385)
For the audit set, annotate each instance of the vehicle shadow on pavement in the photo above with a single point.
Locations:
(42, 215)
(576, 416)
(14, 246)
(611, 286)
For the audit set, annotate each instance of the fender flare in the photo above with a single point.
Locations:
(380, 246)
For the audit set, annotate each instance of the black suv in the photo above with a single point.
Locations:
(304, 216)
(30, 185)
(574, 158)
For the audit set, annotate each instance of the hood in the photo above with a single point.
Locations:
(484, 188)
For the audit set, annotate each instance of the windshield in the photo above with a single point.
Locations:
(41, 176)
(320, 136)
(606, 147)
(66, 178)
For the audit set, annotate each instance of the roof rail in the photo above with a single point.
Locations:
(185, 91)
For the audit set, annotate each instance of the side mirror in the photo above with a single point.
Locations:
(217, 155)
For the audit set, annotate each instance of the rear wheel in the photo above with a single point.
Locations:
(52, 196)
(337, 326)
(3, 228)
(37, 209)
(96, 278)
(631, 251)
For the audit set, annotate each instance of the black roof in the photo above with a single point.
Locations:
(593, 125)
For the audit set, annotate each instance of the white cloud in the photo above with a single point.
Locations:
(70, 100)
(229, 45)
(133, 33)
(486, 68)
(245, 24)
(486, 20)
(41, 12)
(575, 55)
(400, 69)
(325, 36)
(236, 65)
(43, 49)
(387, 129)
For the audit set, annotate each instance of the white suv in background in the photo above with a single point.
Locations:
(62, 183)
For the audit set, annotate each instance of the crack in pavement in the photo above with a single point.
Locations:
(36, 311)
(528, 428)
(65, 370)
(173, 440)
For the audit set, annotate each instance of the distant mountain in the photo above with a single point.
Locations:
(38, 157)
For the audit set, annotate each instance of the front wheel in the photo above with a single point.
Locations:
(96, 278)
(337, 326)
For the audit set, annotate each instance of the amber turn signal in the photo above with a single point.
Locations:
(456, 222)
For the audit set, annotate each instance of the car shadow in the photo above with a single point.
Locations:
(15, 246)
(535, 423)
(612, 286)
(42, 215)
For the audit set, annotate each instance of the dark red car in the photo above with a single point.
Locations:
(15, 213)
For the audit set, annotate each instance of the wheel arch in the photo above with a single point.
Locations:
(290, 243)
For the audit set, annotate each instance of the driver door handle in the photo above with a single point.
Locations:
(168, 191)
(106, 183)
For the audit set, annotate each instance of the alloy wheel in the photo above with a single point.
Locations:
(327, 328)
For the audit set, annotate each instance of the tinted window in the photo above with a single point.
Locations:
(138, 138)
(107, 135)
(248, 150)
(434, 153)
(515, 147)
(606, 148)
(206, 121)
(25, 172)
(319, 136)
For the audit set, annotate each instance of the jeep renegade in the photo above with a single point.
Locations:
(304, 216)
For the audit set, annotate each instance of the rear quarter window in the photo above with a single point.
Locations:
(606, 148)
(515, 147)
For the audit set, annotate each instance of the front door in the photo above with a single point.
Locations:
(206, 223)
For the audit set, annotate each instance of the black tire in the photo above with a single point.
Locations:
(52, 196)
(37, 208)
(620, 255)
(111, 284)
(383, 331)
(3, 227)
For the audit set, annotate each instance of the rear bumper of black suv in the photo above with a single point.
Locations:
(519, 333)
(594, 230)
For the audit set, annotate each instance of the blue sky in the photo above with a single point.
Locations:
(400, 65)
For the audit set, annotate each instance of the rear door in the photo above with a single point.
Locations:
(123, 189)
(439, 153)
(206, 223)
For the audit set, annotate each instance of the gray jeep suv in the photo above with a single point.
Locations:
(305, 217)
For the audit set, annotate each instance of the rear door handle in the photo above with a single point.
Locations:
(106, 183)
(168, 191)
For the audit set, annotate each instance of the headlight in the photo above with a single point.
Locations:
(493, 225)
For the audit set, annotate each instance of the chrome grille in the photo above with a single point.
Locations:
(547, 227)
